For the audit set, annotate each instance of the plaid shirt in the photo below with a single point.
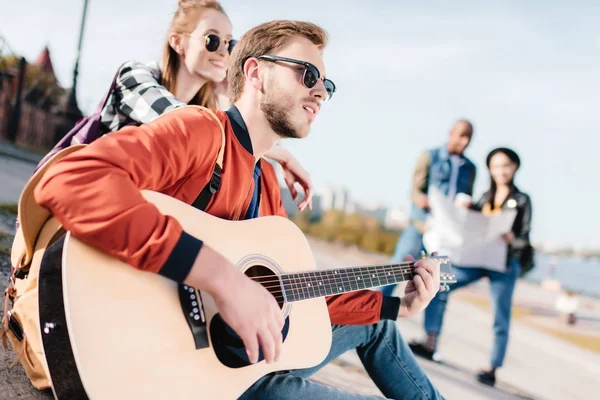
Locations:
(138, 97)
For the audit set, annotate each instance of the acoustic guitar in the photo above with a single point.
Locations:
(110, 331)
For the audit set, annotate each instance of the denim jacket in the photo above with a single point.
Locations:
(434, 169)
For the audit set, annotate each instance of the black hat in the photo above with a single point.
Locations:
(514, 157)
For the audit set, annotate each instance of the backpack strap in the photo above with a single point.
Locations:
(199, 328)
(111, 89)
(31, 216)
(214, 184)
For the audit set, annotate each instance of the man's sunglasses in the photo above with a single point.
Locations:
(311, 73)
(212, 42)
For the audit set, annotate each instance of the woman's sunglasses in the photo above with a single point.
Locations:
(212, 42)
(311, 73)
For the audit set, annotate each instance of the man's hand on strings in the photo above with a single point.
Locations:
(422, 288)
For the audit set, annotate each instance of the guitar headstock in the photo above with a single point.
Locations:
(447, 277)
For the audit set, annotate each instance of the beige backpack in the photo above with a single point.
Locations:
(37, 228)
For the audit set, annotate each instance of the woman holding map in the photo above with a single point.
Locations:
(502, 196)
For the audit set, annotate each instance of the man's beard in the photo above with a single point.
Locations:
(277, 110)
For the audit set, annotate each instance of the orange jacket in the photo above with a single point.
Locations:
(95, 194)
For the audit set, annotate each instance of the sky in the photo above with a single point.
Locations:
(524, 72)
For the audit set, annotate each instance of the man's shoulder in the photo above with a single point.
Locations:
(192, 122)
(469, 162)
(195, 116)
(434, 151)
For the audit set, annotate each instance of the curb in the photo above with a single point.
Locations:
(33, 159)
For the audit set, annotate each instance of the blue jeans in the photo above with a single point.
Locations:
(409, 243)
(502, 286)
(386, 357)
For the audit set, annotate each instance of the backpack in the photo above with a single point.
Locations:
(86, 130)
(34, 235)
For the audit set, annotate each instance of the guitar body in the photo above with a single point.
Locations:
(128, 335)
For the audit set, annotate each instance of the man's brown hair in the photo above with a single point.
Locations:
(266, 39)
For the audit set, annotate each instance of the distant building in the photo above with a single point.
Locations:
(326, 197)
(377, 211)
(35, 110)
(288, 203)
(291, 206)
(335, 198)
(392, 219)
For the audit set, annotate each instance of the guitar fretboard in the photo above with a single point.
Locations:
(308, 285)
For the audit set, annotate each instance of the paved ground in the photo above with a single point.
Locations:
(539, 365)
(14, 173)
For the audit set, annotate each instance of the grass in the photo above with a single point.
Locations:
(587, 342)
(516, 312)
(10, 208)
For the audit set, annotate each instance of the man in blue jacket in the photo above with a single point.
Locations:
(447, 169)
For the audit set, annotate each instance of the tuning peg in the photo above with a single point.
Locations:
(444, 287)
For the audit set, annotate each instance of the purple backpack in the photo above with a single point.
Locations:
(86, 130)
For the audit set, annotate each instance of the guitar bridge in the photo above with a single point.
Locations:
(193, 311)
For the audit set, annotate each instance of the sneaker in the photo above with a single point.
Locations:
(487, 378)
(419, 349)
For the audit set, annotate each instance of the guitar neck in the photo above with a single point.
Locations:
(309, 285)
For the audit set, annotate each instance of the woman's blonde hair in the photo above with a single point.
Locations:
(185, 20)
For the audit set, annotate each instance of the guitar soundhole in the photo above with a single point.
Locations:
(268, 279)
(227, 345)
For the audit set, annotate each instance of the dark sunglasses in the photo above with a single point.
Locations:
(212, 42)
(311, 73)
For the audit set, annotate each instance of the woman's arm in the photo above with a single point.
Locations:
(293, 172)
(140, 96)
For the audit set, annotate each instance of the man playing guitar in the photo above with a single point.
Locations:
(277, 86)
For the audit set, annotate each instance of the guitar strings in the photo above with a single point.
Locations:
(300, 281)
(305, 290)
(405, 267)
(399, 267)
(335, 279)
(330, 278)
(343, 277)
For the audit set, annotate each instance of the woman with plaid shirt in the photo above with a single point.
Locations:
(194, 67)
